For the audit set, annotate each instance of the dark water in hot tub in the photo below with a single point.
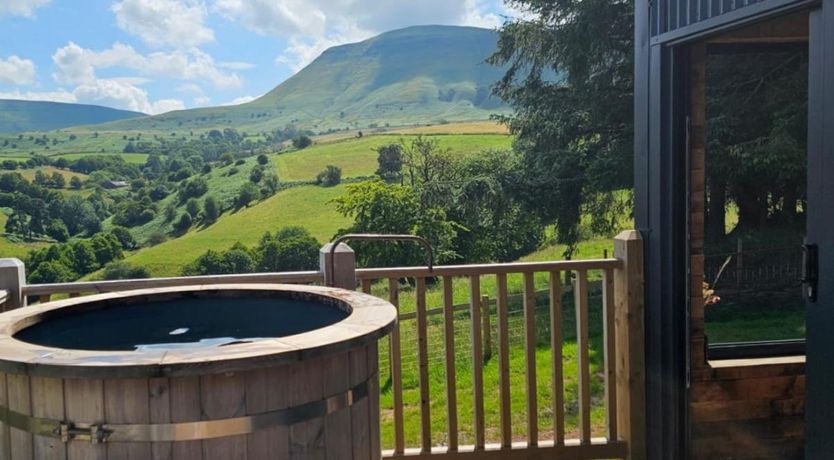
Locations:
(181, 323)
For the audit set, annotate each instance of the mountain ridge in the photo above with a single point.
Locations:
(416, 75)
(23, 116)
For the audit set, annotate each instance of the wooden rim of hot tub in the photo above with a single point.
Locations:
(369, 319)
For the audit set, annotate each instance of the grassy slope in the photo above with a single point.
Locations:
(222, 185)
(305, 206)
(20, 146)
(357, 157)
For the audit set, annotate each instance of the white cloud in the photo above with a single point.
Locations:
(78, 65)
(269, 17)
(176, 23)
(236, 65)
(202, 101)
(24, 8)
(311, 26)
(54, 96)
(477, 16)
(240, 100)
(166, 105)
(17, 71)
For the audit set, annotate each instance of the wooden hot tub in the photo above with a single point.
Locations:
(202, 372)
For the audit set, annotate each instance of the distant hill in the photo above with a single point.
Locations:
(19, 116)
(423, 74)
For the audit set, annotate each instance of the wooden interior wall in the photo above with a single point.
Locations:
(739, 409)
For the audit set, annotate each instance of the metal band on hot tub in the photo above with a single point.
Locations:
(184, 431)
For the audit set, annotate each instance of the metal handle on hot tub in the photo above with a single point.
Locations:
(331, 262)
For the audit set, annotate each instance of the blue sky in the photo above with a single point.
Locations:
(159, 55)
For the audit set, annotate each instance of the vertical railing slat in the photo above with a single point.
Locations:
(423, 358)
(477, 360)
(556, 345)
(530, 359)
(366, 286)
(486, 327)
(610, 354)
(396, 370)
(451, 379)
(504, 361)
(584, 383)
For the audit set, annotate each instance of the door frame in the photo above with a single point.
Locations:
(819, 407)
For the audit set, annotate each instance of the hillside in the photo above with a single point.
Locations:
(418, 75)
(22, 116)
(305, 205)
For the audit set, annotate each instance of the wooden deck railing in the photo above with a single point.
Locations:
(623, 347)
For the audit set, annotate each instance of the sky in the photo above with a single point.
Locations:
(154, 56)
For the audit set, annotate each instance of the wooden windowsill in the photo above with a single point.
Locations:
(727, 363)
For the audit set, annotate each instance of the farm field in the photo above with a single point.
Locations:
(357, 157)
(471, 127)
(305, 206)
(29, 174)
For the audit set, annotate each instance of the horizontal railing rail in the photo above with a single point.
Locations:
(125, 285)
(486, 269)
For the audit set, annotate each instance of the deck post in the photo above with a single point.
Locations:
(343, 266)
(630, 343)
(12, 280)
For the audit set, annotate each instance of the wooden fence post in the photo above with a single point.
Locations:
(487, 333)
(630, 343)
(343, 266)
(12, 280)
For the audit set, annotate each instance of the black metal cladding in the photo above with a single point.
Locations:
(670, 15)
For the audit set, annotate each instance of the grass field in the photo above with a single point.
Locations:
(472, 127)
(305, 206)
(14, 248)
(29, 174)
(463, 365)
(357, 157)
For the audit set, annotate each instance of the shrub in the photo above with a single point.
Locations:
(194, 188)
(184, 223)
(58, 231)
(263, 159)
(156, 238)
(248, 193)
(331, 176)
(211, 209)
(192, 207)
(52, 272)
(256, 175)
(125, 237)
(124, 271)
(302, 142)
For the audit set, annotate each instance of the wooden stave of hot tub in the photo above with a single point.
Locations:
(185, 390)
